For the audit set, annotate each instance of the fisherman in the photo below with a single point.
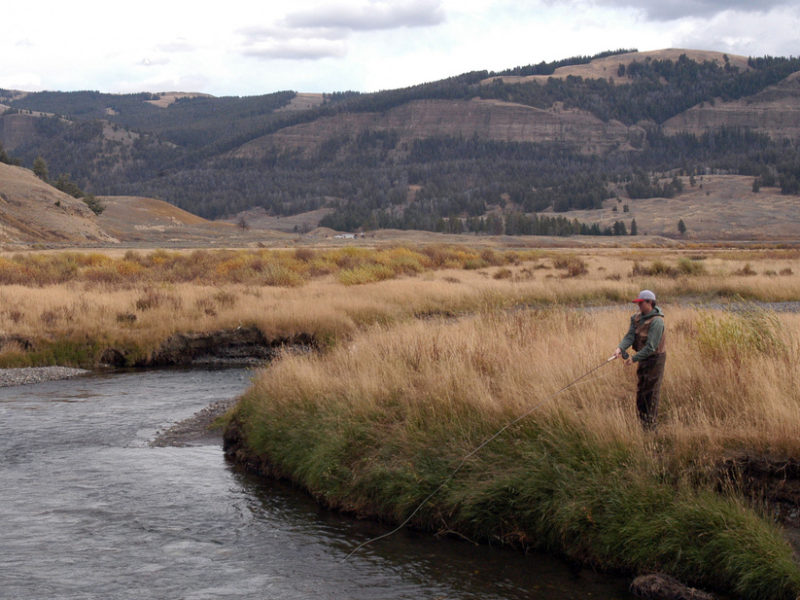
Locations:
(646, 335)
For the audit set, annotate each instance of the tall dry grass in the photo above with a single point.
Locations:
(137, 300)
(374, 425)
(731, 380)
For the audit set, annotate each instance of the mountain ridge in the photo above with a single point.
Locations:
(560, 137)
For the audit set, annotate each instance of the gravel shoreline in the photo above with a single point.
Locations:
(196, 429)
(29, 375)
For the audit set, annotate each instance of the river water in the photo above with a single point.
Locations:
(88, 510)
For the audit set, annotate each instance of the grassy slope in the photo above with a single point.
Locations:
(720, 207)
(33, 211)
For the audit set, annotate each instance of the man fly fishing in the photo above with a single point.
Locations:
(646, 335)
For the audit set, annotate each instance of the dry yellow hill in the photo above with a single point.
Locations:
(131, 218)
(167, 98)
(33, 211)
(606, 68)
(303, 101)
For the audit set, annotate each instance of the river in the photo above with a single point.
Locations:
(89, 510)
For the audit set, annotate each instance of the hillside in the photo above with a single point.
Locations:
(775, 111)
(716, 207)
(33, 211)
(560, 136)
(133, 219)
(487, 119)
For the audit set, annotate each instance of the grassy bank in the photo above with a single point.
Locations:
(374, 425)
(67, 307)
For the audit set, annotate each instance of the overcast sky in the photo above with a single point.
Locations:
(237, 47)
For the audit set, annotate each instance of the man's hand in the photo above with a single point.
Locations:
(629, 360)
(617, 352)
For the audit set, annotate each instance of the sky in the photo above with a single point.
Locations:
(242, 48)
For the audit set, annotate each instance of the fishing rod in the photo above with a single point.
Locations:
(478, 448)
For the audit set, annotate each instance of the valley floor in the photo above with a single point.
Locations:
(413, 354)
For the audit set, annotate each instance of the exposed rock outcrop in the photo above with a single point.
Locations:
(488, 119)
(774, 111)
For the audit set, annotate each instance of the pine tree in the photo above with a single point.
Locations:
(681, 227)
(634, 228)
(4, 158)
(40, 168)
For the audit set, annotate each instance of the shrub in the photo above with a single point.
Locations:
(207, 306)
(656, 268)
(225, 299)
(493, 258)
(403, 260)
(304, 254)
(687, 266)
(746, 270)
(280, 275)
(574, 266)
(49, 318)
(365, 274)
(153, 298)
(473, 264)
(102, 275)
(753, 331)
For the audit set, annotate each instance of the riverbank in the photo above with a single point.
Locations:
(374, 426)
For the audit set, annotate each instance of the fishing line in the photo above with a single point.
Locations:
(473, 452)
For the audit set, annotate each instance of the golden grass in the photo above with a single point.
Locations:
(140, 299)
(375, 425)
(731, 381)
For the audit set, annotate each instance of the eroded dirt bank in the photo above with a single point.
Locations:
(243, 345)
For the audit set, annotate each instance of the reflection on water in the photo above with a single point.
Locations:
(89, 510)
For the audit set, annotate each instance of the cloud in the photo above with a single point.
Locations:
(154, 62)
(21, 81)
(761, 33)
(670, 10)
(185, 83)
(255, 35)
(370, 16)
(296, 50)
(312, 34)
(179, 45)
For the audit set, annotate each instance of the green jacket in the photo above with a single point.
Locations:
(654, 335)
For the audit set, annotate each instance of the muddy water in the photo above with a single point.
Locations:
(89, 510)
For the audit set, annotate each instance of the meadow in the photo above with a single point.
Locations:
(424, 351)
(67, 307)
